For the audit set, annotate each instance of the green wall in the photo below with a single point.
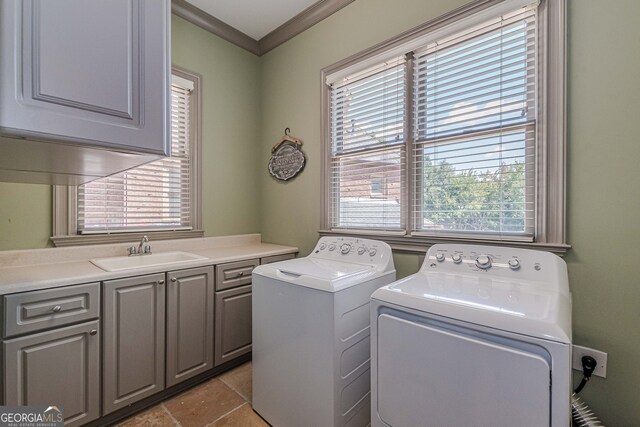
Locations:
(604, 197)
(25, 215)
(603, 151)
(231, 127)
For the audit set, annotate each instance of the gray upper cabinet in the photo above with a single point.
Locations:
(92, 75)
(190, 305)
(134, 344)
(56, 368)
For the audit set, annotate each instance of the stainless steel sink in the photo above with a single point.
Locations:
(132, 262)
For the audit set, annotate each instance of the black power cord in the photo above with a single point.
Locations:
(589, 365)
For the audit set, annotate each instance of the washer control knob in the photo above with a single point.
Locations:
(514, 263)
(457, 258)
(332, 247)
(372, 252)
(361, 250)
(440, 257)
(322, 246)
(483, 262)
(345, 248)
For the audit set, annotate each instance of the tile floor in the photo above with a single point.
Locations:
(222, 401)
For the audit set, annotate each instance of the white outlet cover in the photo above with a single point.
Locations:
(600, 356)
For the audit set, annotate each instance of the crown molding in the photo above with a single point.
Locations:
(299, 23)
(202, 19)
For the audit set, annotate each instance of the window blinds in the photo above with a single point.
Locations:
(474, 126)
(149, 197)
(464, 106)
(367, 116)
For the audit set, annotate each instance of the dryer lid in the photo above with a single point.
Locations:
(518, 307)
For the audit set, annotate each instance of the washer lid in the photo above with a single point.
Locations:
(318, 273)
(520, 307)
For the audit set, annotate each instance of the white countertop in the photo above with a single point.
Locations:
(22, 271)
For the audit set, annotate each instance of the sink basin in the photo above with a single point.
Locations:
(140, 261)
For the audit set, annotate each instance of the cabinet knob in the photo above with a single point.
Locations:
(160, 282)
(93, 332)
(173, 279)
(56, 309)
(241, 274)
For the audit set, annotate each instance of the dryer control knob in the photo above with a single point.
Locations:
(483, 262)
(457, 258)
(514, 263)
(440, 257)
(345, 248)
(332, 247)
(361, 250)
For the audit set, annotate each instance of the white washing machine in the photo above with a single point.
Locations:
(311, 333)
(480, 336)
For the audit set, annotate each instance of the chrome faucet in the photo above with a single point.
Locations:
(142, 249)
(144, 240)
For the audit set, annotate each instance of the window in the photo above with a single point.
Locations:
(455, 121)
(161, 196)
(377, 187)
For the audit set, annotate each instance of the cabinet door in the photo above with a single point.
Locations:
(83, 72)
(233, 323)
(189, 323)
(56, 368)
(133, 317)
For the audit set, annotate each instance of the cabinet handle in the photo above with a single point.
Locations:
(173, 279)
(56, 309)
(93, 332)
(160, 282)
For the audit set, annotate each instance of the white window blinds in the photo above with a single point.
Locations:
(150, 197)
(457, 118)
(474, 126)
(367, 115)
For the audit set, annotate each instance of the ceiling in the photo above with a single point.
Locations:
(255, 18)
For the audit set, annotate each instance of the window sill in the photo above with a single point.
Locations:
(99, 239)
(418, 245)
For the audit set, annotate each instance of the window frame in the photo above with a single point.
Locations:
(550, 216)
(65, 224)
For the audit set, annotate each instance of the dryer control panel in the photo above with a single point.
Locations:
(495, 262)
(356, 250)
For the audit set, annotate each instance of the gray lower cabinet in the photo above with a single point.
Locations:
(56, 368)
(134, 339)
(190, 305)
(233, 323)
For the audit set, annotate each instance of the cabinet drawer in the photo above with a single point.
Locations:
(38, 310)
(276, 258)
(234, 274)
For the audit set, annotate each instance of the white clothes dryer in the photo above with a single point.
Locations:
(480, 336)
(311, 333)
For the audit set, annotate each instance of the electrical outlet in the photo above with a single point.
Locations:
(601, 358)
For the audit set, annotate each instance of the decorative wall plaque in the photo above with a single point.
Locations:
(287, 158)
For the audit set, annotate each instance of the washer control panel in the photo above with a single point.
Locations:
(351, 249)
(493, 261)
